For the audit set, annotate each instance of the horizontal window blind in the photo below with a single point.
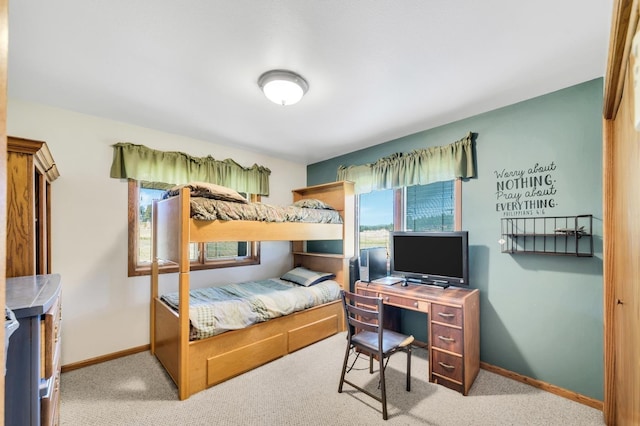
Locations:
(430, 207)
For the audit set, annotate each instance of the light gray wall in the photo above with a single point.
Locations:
(104, 311)
(541, 316)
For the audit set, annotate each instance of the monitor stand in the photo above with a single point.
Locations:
(432, 283)
(439, 284)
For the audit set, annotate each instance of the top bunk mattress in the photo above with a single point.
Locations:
(214, 310)
(209, 209)
(213, 202)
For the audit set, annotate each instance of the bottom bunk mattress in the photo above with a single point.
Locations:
(214, 310)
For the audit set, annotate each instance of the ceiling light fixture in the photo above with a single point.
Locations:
(283, 87)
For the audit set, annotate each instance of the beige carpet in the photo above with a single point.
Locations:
(301, 389)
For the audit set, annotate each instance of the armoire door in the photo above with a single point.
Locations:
(30, 171)
(621, 223)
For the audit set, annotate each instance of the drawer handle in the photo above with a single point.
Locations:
(447, 366)
(415, 304)
(444, 315)
(386, 299)
(446, 339)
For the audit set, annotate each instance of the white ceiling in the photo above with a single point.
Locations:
(377, 69)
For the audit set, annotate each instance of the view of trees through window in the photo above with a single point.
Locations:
(376, 218)
(213, 251)
(145, 208)
(426, 208)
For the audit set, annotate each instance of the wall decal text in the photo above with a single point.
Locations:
(527, 191)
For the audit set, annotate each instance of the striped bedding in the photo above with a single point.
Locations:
(214, 310)
(209, 209)
(214, 202)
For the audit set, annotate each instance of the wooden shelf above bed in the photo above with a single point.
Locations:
(340, 196)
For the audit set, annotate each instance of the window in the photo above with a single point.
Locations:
(202, 255)
(431, 207)
(375, 212)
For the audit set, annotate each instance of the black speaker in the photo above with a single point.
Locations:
(354, 273)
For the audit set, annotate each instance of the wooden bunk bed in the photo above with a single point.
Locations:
(198, 364)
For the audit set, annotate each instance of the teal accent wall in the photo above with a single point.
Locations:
(540, 316)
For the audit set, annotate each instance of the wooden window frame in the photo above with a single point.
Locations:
(134, 269)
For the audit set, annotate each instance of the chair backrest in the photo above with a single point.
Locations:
(363, 313)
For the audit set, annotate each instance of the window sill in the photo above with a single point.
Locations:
(173, 268)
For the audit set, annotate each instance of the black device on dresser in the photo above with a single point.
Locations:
(434, 258)
(354, 273)
(373, 263)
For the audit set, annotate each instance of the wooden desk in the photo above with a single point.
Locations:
(453, 327)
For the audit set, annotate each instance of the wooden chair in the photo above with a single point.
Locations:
(365, 335)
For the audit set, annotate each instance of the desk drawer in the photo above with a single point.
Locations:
(372, 306)
(367, 293)
(402, 302)
(50, 330)
(50, 406)
(446, 365)
(446, 314)
(447, 338)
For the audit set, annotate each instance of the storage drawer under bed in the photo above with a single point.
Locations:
(244, 358)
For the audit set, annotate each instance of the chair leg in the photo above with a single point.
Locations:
(383, 388)
(409, 368)
(344, 367)
(370, 363)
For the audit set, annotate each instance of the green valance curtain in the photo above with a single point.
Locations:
(138, 162)
(418, 167)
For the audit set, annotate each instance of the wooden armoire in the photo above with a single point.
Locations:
(32, 377)
(30, 172)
